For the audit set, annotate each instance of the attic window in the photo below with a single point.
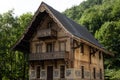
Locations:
(49, 25)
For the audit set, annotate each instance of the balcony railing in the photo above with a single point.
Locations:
(49, 56)
(47, 34)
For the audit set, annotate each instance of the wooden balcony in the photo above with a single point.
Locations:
(49, 56)
(47, 34)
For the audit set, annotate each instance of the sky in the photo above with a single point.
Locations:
(23, 6)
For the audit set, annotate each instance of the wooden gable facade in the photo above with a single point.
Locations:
(60, 49)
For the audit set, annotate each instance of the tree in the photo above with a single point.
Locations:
(11, 63)
(102, 19)
(109, 36)
(92, 20)
(7, 21)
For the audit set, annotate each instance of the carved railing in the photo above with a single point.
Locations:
(47, 33)
(49, 55)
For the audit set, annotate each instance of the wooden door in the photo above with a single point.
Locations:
(50, 73)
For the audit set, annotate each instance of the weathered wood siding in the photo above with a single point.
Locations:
(76, 58)
(83, 59)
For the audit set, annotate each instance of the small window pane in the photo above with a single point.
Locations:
(82, 48)
(100, 73)
(82, 70)
(38, 72)
(100, 55)
(50, 47)
(94, 73)
(62, 46)
(32, 74)
(38, 48)
(62, 71)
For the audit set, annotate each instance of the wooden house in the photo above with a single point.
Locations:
(60, 49)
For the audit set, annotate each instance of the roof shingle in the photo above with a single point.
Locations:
(73, 27)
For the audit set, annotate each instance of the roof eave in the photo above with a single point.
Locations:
(93, 45)
(21, 38)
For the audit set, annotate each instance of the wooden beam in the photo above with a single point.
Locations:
(76, 44)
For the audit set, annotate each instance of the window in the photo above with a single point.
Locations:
(82, 48)
(82, 72)
(50, 47)
(50, 24)
(94, 73)
(62, 71)
(38, 48)
(38, 71)
(90, 58)
(100, 73)
(100, 55)
(92, 51)
(32, 74)
(62, 46)
(90, 55)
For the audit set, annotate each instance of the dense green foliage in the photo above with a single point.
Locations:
(13, 64)
(102, 18)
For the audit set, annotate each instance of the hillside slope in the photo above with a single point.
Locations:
(102, 18)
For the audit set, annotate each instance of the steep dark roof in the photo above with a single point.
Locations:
(73, 27)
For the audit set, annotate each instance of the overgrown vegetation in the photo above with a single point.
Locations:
(102, 18)
(13, 65)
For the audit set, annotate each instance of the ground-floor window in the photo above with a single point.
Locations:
(100, 73)
(82, 72)
(32, 74)
(38, 72)
(62, 71)
(94, 73)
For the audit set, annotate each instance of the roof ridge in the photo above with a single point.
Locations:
(74, 27)
(71, 26)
